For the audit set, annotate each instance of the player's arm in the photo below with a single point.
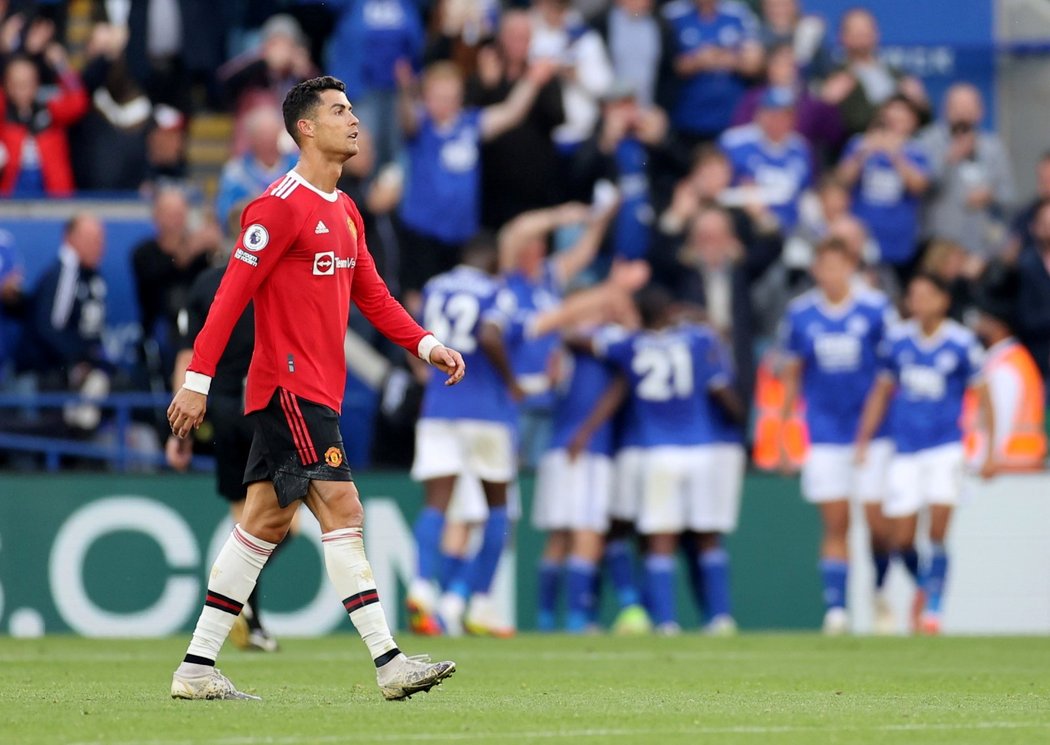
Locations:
(729, 400)
(790, 375)
(611, 400)
(536, 225)
(567, 264)
(372, 297)
(989, 467)
(490, 341)
(875, 407)
(269, 228)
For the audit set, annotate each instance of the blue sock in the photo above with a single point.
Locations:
(910, 558)
(881, 560)
(492, 542)
(714, 566)
(659, 580)
(936, 573)
(620, 565)
(451, 569)
(579, 587)
(833, 572)
(428, 529)
(549, 589)
(459, 577)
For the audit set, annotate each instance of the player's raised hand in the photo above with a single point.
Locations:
(450, 362)
(187, 409)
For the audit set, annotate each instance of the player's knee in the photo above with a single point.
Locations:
(347, 508)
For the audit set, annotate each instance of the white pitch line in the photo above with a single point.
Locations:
(551, 734)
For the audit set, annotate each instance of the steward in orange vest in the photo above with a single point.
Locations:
(1015, 388)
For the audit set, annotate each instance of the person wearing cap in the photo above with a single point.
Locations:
(819, 122)
(889, 174)
(1015, 386)
(770, 156)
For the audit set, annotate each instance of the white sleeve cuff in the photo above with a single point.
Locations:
(427, 345)
(197, 382)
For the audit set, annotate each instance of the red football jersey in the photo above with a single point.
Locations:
(302, 258)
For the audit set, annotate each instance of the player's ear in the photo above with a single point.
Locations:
(305, 127)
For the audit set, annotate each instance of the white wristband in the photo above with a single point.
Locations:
(427, 345)
(197, 382)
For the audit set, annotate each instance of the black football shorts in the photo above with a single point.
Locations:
(295, 442)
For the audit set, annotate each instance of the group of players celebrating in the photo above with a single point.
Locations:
(647, 448)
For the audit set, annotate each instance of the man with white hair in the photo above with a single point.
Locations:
(973, 184)
(244, 176)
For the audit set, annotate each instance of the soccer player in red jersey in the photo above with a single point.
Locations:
(301, 258)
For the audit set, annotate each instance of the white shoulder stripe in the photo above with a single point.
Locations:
(285, 183)
(284, 194)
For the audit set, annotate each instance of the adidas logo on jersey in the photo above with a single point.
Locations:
(320, 229)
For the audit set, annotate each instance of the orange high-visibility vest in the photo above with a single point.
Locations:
(1020, 433)
(772, 437)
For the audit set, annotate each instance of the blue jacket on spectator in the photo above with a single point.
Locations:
(242, 180)
(705, 102)
(369, 37)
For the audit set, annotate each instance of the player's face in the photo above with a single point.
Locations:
(335, 126)
(833, 272)
(926, 302)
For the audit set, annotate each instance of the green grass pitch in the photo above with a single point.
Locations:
(767, 689)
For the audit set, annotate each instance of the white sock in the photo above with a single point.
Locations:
(348, 568)
(231, 581)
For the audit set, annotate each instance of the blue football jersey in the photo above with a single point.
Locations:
(454, 306)
(443, 186)
(932, 374)
(784, 170)
(839, 351)
(880, 200)
(671, 373)
(531, 355)
(587, 380)
(705, 102)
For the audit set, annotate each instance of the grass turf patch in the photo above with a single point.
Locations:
(750, 689)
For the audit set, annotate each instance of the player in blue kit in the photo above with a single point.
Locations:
(678, 374)
(465, 432)
(928, 363)
(573, 484)
(830, 338)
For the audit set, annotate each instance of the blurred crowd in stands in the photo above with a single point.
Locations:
(717, 141)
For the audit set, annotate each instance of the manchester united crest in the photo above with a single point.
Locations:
(333, 457)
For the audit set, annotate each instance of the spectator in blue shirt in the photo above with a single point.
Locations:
(714, 46)
(771, 156)
(889, 173)
(369, 38)
(245, 177)
(440, 209)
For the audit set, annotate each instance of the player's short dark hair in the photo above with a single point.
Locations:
(654, 304)
(481, 251)
(304, 98)
(834, 245)
(938, 282)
